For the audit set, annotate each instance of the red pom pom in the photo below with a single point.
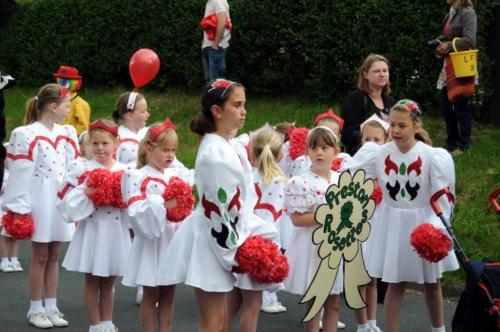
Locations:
(183, 194)
(21, 227)
(377, 194)
(298, 142)
(116, 187)
(262, 260)
(430, 242)
(100, 180)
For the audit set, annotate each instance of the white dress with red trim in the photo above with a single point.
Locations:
(304, 194)
(408, 180)
(2, 213)
(257, 225)
(270, 199)
(202, 252)
(101, 243)
(142, 189)
(37, 159)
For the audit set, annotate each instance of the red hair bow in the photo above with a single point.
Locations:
(99, 124)
(157, 130)
(329, 114)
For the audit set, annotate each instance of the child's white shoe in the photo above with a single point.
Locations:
(375, 329)
(56, 317)
(16, 267)
(273, 307)
(340, 325)
(140, 293)
(5, 266)
(40, 320)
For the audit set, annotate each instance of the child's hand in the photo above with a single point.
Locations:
(89, 191)
(171, 203)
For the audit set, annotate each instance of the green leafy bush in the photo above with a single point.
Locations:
(311, 48)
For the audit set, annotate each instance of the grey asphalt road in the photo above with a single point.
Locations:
(14, 302)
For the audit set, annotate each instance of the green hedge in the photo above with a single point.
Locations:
(311, 48)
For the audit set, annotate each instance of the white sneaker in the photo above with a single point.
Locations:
(16, 267)
(375, 329)
(109, 328)
(273, 308)
(40, 320)
(6, 267)
(56, 317)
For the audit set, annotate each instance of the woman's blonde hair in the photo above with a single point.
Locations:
(165, 137)
(363, 84)
(421, 134)
(266, 148)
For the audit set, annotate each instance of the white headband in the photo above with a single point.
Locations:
(377, 119)
(325, 128)
(131, 100)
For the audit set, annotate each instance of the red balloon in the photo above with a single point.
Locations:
(143, 66)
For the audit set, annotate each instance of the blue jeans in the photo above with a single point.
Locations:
(458, 123)
(214, 62)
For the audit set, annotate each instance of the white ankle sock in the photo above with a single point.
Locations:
(35, 306)
(372, 322)
(438, 329)
(51, 304)
(14, 260)
(95, 328)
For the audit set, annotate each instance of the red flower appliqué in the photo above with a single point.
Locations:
(430, 242)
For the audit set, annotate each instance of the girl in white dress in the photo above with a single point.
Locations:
(374, 130)
(131, 113)
(303, 195)
(266, 183)
(142, 190)
(202, 253)
(37, 158)
(101, 242)
(409, 171)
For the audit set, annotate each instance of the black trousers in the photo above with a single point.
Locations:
(458, 121)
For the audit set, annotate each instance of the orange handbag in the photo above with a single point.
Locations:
(209, 25)
(458, 88)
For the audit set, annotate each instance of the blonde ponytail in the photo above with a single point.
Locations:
(266, 147)
(142, 159)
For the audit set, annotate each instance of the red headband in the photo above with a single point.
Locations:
(331, 115)
(154, 132)
(99, 124)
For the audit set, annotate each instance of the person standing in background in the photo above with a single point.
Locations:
(216, 26)
(460, 23)
(79, 114)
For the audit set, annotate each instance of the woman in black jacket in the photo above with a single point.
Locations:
(461, 23)
(370, 97)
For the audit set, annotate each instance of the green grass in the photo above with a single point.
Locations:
(478, 170)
